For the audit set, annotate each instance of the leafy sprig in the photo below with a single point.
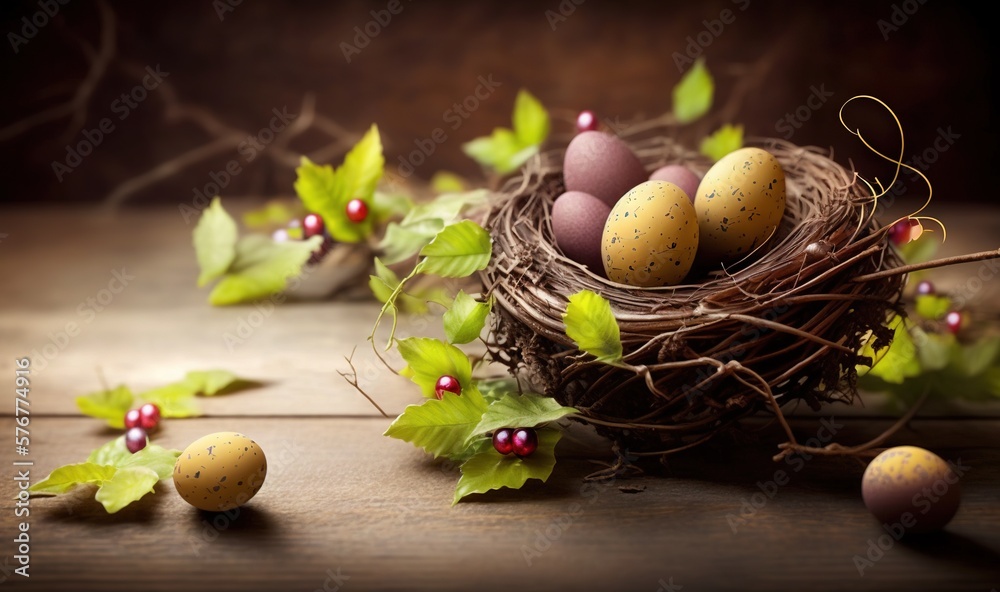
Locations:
(505, 150)
(120, 476)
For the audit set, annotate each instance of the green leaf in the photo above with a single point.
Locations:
(726, 139)
(214, 242)
(210, 382)
(490, 470)
(430, 359)
(900, 360)
(402, 242)
(977, 358)
(262, 268)
(126, 486)
(441, 427)
(496, 151)
(693, 94)
(933, 350)
(327, 191)
(175, 400)
(274, 213)
(67, 477)
(155, 458)
(464, 321)
(459, 250)
(110, 405)
(390, 205)
(921, 250)
(447, 207)
(384, 283)
(493, 389)
(932, 306)
(111, 454)
(592, 326)
(448, 182)
(523, 411)
(531, 120)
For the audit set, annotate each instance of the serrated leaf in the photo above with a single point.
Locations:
(110, 405)
(724, 140)
(430, 359)
(67, 477)
(489, 470)
(210, 382)
(214, 242)
(498, 151)
(932, 306)
(693, 94)
(591, 324)
(111, 454)
(465, 319)
(126, 486)
(262, 268)
(900, 361)
(531, 120)
(363, 166)
(522, 411)
(441, 427)
(156, 458)
(493, 389)
(448, 182)
(175, 400)
(458, 251)
(447, 207)
(400, 242)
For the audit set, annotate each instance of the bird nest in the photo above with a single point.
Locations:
(783, 327)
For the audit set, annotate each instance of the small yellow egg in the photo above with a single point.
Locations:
(651, 236)
(739, 204)
(220, 471)
(912, 488)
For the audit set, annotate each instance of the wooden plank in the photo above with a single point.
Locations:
(340, 497)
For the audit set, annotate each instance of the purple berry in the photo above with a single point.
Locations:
(149, 416)
(132, 419)
(586, 121)
(135, 439)
(524, 441)
(954, 321)
(312, 225)
(447, 384)
(502, 441)
(925, 288)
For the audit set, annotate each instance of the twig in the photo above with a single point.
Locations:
(903, 269)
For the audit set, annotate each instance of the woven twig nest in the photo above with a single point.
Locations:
(781, 328)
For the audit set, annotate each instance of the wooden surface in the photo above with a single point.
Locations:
(340, 497)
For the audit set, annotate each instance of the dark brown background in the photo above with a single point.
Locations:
(615, 58)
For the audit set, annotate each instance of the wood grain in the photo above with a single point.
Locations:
(340, 496)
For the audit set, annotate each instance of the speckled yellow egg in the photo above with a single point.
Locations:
(912, 489)
(220, 471)
(651, 236)
(740, 202)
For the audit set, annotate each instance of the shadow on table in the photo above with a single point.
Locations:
(955, 549)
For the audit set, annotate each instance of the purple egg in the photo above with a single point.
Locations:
(602, 165)
(578, 224)
(680, 176)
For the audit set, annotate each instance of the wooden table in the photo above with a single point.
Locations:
(344, 506)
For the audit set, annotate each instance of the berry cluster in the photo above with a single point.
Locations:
(521, 441)
(138, 422)
(312, 225)
(954, 320)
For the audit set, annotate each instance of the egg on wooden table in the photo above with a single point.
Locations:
(220, 471)
(602, 165)
(578, 220)
(739, 202)
(651, 236)
(911, 488)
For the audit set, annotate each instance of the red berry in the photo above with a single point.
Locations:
(502, 442)
(524, 441)
(954, 321)
(149, 416)
(447, 384)
(901, 232)
(357, 211)
(925, 288)
(132, 419)
(586, 121)
(312, 225)
(135, 440)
